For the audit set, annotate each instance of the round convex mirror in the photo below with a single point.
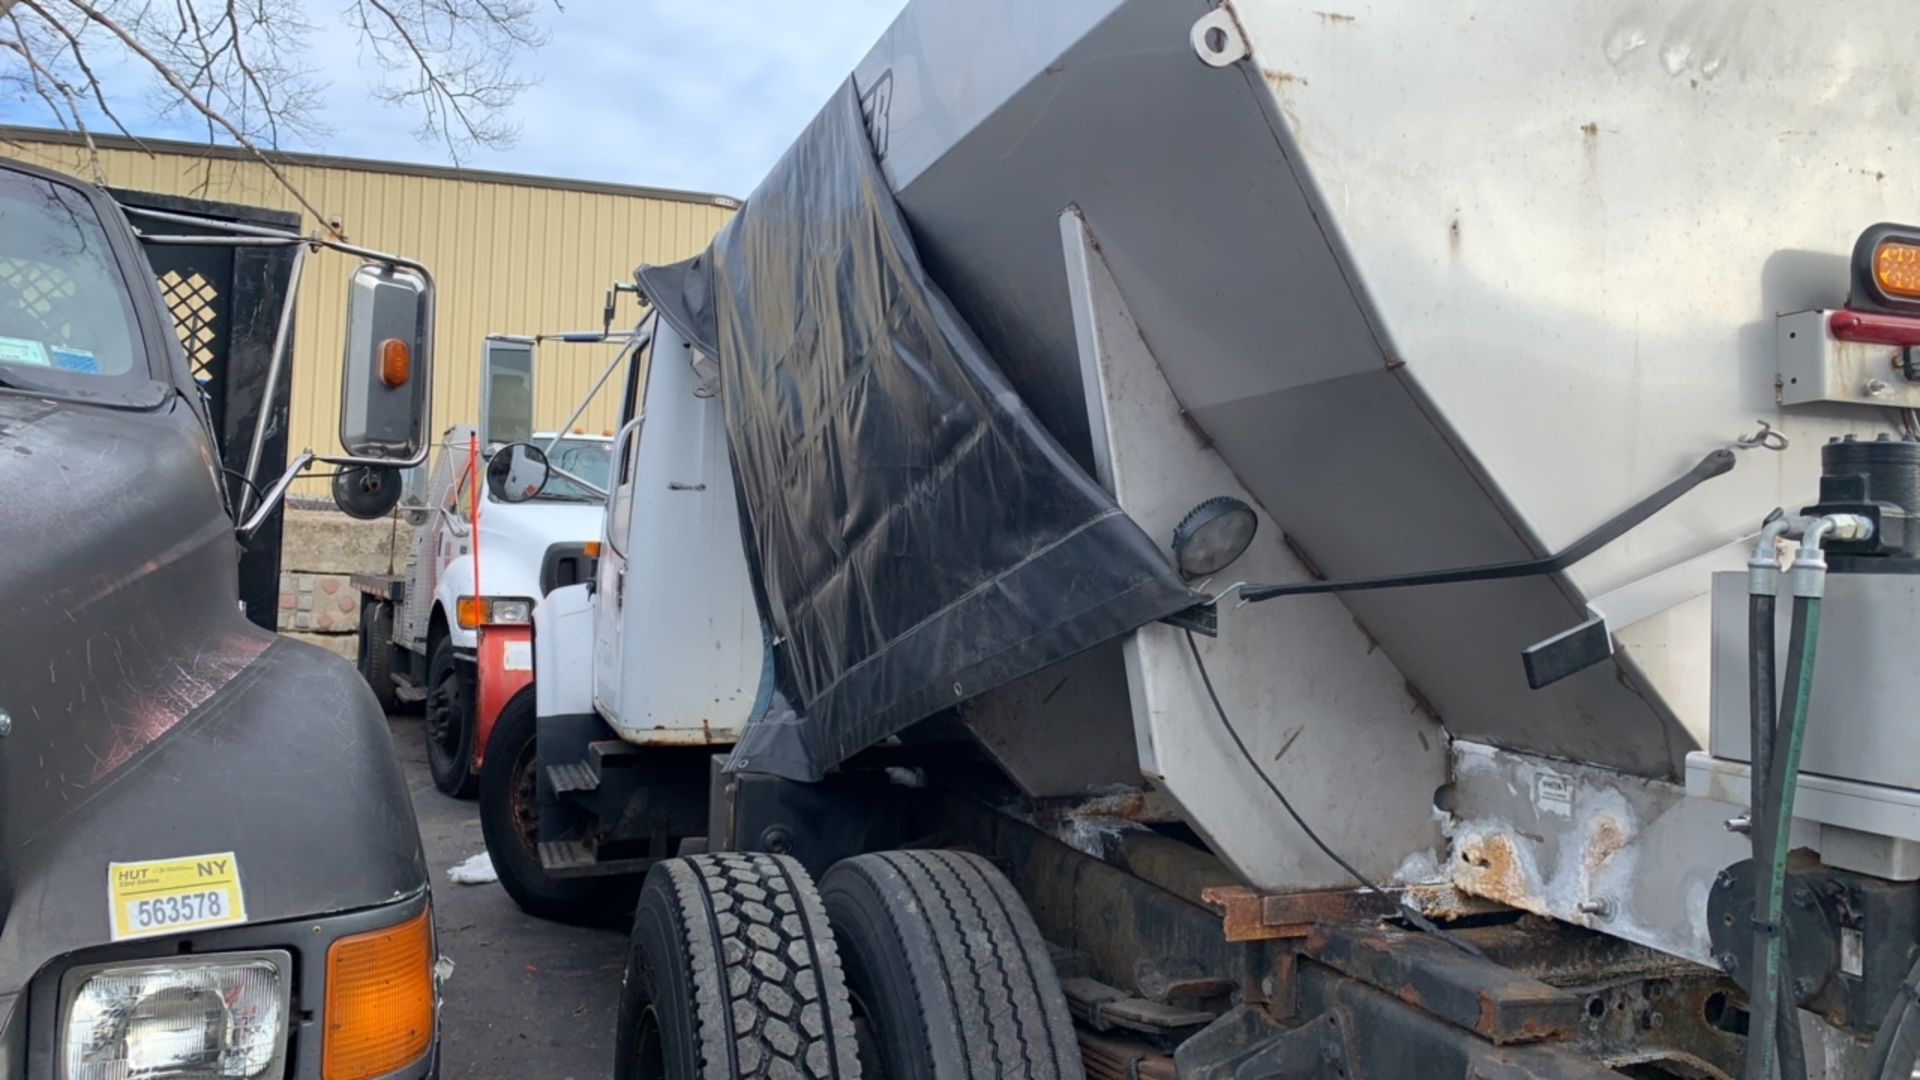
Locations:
(517, 472)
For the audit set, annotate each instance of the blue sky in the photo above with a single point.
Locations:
(697, 94)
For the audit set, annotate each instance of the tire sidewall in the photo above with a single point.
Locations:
(376, 651)
(665, 989)
(588, 901)
(453, 777)
(882, 985)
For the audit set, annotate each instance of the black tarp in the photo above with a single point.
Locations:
(915, 536)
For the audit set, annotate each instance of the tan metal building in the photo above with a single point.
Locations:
(511, 254)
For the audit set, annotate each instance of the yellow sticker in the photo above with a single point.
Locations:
(168, 896)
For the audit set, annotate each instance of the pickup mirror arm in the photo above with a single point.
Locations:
(454, 525)
(588, 484)
(271, 497)
(633, 344)
(238, 234)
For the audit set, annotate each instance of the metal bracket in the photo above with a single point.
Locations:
(1218, 39)
(1245, 1045)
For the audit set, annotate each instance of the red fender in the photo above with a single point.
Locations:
(503, 661)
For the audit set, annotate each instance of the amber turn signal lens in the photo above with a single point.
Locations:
(396, 362)
(471, 611)
(379, 1001)
(592, 548)
(1896, 269)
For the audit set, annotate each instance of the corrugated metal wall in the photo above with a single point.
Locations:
(510, 255)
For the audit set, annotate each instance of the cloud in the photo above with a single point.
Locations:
(668, 93)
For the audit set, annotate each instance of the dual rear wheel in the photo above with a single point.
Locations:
(910, 965)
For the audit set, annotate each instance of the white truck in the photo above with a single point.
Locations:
(452, 630)
(1244, 540)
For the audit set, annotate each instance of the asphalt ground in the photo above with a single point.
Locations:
(526, 1000)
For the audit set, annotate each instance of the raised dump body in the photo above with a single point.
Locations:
(1442, 285)
(1071, 343)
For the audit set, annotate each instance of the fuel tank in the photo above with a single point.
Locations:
(1444, 284)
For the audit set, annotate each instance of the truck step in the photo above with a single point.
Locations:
(571, 858)
(576, 776)
(611, 754)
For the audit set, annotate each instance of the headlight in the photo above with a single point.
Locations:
(204, 1018)
(475, 611)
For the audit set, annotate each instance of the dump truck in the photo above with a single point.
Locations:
(210, 863)
(1266, 539)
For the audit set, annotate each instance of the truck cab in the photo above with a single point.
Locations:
(453, 629)
(655, 661)
(208, 858)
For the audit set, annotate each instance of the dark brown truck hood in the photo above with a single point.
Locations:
(148, 718)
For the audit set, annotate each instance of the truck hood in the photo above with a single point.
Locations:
(515, 538)
(145, 717)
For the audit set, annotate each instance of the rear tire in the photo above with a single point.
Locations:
(732, 972)
(948, 969)
(449, 721)
(376, 652)
(510, 822)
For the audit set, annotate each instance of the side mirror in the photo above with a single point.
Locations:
(387, 373)
(366, 492)
(518, 472)
(506, 390)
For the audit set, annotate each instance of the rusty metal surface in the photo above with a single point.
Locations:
(1107, 1057)
(1122, 924)
(1479, 995)
(1105, 1008)
(1632, 857)
(1639, 1006)
(1130, 804)
(1250, 915)
(1393, 1040)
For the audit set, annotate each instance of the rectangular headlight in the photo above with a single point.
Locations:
(218, 1017)
(512, 611)
(476, 611)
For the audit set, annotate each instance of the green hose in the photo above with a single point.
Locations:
(1768, 978)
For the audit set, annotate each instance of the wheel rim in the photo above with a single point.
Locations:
(649, 1059)
(524, 801)
(445, 707)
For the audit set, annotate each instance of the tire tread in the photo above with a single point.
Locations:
(770, 998)
(986, 958)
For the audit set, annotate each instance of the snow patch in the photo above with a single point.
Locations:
(477, 870)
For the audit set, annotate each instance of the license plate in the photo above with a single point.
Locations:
(167, 896)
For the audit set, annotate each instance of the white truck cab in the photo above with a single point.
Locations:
(452, 629)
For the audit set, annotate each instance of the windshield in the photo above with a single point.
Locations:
(66, 315)
(589, 459)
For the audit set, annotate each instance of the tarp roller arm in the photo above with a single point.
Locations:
(1715, 464)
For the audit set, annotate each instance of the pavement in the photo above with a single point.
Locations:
(527, 1000)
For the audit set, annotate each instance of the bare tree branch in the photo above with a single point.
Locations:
(80, 61)
(240, 66)
(187, 93)
(459, 53)
(40, 73)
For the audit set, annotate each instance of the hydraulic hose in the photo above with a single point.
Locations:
(1772, 830)
(1760, 691)
(1760, 701)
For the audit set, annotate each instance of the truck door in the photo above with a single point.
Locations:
(678, 648)
(610, 577)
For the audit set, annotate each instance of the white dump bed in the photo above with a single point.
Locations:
(1444, 283)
